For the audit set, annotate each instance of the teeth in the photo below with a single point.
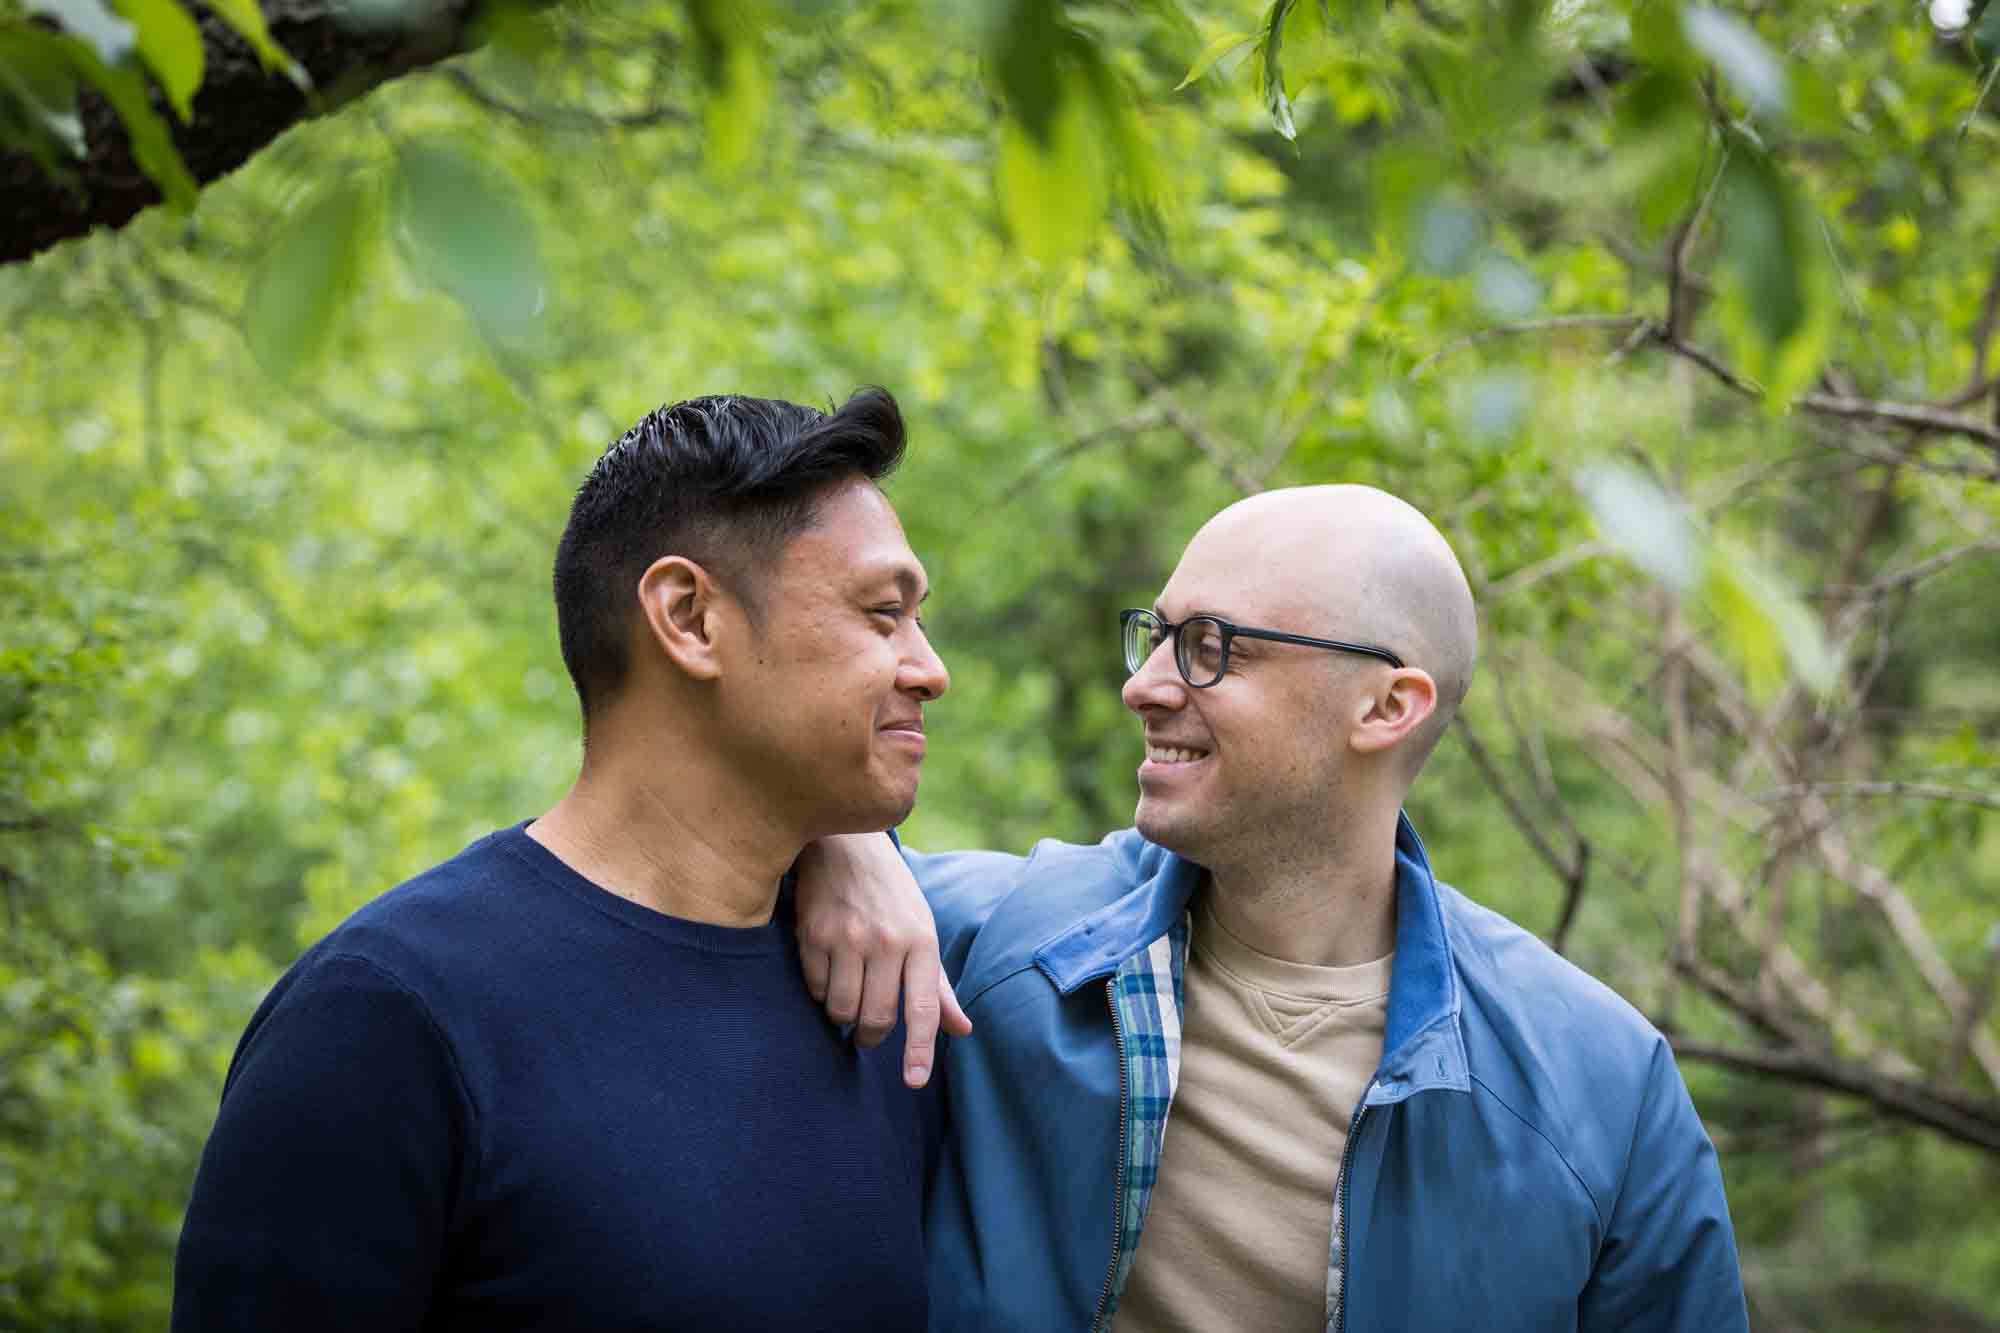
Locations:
(1162, 754)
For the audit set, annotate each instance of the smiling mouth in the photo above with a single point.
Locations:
(1173, 754)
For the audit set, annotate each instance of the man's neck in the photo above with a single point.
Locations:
(1333, 908)
(684, 843)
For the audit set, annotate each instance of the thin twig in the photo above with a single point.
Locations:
(1977, 102)
(1531, 326)
(1195, 433)
(1962, 471)
(564, 117)
(1573, 885)
(1749, 388)
(1917, 416)
(1982, 332)
(1144, 419)
(1916, 791)
(1770, 1022)
(1529, 575)
(1977, 1002)
(1971, 393)
(1573, 872)
(1641, 331)
(1588, 77)
(1908, 578)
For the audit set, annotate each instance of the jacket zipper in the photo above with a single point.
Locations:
(1346, 1174)
(1118, 1179)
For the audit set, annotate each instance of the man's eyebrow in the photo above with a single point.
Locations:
(911, 584)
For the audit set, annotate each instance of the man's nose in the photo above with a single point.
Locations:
(1156, 684)
(923, 672)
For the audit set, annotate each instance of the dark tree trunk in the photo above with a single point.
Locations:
(241, 107)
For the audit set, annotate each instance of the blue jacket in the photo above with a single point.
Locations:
(1526, 1156)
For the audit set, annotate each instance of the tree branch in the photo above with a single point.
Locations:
(241, 107)
(1574, 872)
(1977, 1003)
(1531, 326)
(1917, 416)
(1195, 433)
(1982, 337)
(1146, 418)
(1904, 579)
(1968, 1122)
(1921, 791)
(1677, 254)
(565, 117)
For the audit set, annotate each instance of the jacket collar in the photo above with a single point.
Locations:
(1095, 946)
(1422, 1047)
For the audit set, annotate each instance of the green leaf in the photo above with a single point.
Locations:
(1741, 56)
(1659, 39)
(1403, 182)
(732, 70)
(1214, 51)
(1119, 128)
(1024, 44)
(1052, 195)
(170, 44)
(1777, 302)
(1986, 32)
(1767, 624)
(1271, 70)
(1520, 19)
(38, 95)
(248, 21)
(1762, 245)
(467, 231)
(1662, 138)
(152, 146)
(306, 278)
(1643, 523)
(109, 36)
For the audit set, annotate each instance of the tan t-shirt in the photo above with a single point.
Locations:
(1274, 1056)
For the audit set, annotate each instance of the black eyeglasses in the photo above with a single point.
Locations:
(1201, 644)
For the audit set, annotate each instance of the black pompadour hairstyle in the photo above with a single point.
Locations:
(726, 482)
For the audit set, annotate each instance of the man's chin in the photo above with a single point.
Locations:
(874, 817)
(1161, 829)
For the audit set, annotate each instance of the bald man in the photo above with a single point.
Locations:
(1250, 1065)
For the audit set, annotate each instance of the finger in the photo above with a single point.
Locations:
(843, 987)
(817, 964)
(922, 979)
(881, 988)
(956, 1021)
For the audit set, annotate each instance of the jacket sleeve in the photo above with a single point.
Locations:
(1668, 1262)
(963, 888)
(324, 1194)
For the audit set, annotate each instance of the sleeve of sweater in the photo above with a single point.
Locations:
(325, 1193)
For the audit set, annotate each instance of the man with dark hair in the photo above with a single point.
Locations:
(571, 1078)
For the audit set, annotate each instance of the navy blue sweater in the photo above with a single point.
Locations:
(501, 1097)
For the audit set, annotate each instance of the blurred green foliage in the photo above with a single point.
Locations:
(285, 473)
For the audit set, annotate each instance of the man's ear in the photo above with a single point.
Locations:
(1394, 710)
(684, 609)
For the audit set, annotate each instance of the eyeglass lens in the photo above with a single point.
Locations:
(1198, 646)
